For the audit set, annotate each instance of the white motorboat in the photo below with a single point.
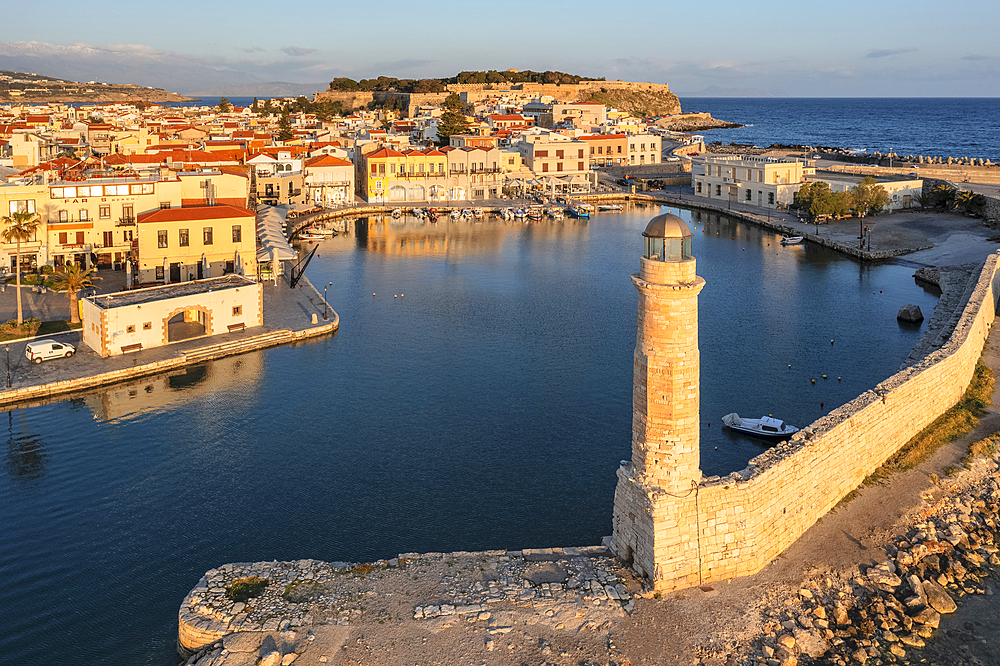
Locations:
(397, 212)
(767, 427)
(455, 214)
(477, 213)
(791, 240)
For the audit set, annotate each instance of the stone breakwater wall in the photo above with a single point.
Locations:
(744, 520)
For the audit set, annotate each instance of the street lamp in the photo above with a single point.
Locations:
(325, 303)
(8, 366)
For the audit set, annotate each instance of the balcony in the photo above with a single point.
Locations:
(125, 222)
(486, 170)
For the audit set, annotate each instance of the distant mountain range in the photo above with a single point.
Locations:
(264, 89)
(717, 91)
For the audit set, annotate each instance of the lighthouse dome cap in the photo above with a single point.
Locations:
(667, 225)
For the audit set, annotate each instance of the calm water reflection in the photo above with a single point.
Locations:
(480, 399)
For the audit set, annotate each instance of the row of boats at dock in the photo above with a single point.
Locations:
(577, 209)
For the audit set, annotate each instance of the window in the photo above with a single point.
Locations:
(164, 205)
(545, 167)
(559, 166)
(579, 166)
(64, 216)
(718, 190)
(84, 215)
(22, 206)
(80, 239)
(592, 149)
(185, 238)
(104, 212)
(127, 212)
(580, 154)
(131, 327)
(237, 233)
(749, 195)
(207, 235)
(374, 169)
(770, 197)
(237, 310)
(63, 237)
(127, 236)
(109, 238)
(381, 169)
(698, 187)
(541, 153)
(559, 154)
(147, 326)
(161, 238)
(619, 149)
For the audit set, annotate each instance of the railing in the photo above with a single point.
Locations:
(125, 222)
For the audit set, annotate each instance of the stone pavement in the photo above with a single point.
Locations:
(284, 308)
(49, 305)
(498, 594)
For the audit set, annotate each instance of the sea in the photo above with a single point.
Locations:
(930, 126)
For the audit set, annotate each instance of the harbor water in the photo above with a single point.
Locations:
(477, 396)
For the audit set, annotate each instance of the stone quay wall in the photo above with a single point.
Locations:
(746, 519)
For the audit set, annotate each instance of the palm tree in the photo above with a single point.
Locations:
(73, 279)
(19, 227)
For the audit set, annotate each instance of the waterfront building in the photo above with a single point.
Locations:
(402, 176)
(474, 173)
(644, 149)
(329, 180)
(126, 321)
(607, 149)
(556, 155)
(184, 244)
(762, 181)
(278, 180)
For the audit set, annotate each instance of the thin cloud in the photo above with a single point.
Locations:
(252, 49)
(884, 53)
(296, 51)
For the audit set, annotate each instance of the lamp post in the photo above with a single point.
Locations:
(325, 303)
(8, 366)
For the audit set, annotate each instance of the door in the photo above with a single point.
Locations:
(201, 270)
(175, 272)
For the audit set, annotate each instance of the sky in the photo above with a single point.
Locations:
(848, 48)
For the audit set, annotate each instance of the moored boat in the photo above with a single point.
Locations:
(309, 236)
(534, 212)
(609, 207)
(580, 209)
(397, 212)
(791, 240)
(477, 213)
(766, 427)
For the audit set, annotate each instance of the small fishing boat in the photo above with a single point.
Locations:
(556, 213)
(416, 212)
(433, 214)
(580, 209)
(791, 240)
(766, 427)
(466, 212)
(534, 212)
(455, 214)
(518, 212)
(609, 207)
(397, 212)
(309, 236)
(477, 213)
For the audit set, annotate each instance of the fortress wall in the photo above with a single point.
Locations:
(746, 519)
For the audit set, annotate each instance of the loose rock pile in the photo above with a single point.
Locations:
(880, 616)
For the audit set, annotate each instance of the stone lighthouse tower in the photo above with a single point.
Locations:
(655, 513)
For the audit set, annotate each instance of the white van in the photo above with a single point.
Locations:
(41, 350)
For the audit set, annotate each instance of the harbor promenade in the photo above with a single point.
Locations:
(288, 316)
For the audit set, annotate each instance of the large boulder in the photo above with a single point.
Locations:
(938, 598)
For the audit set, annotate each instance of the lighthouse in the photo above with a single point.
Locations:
(655, 511)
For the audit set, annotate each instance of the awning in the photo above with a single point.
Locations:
(271, 242)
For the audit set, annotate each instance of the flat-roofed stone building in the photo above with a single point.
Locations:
(143, 318)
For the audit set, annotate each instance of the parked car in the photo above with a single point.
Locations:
(42, 350)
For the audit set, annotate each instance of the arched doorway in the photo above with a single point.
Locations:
(187, 323)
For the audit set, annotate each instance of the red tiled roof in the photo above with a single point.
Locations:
(327, 161)
(194, 214)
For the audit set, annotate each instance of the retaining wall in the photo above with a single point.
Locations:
(747, 518)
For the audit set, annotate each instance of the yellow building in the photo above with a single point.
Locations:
(183, 244)
(411, 175)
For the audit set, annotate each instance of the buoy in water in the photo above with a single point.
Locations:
(831, 342)
(838, 379)
(824, 376)
(813, 381)
(373, 294)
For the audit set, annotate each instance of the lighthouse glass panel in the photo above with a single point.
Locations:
(668, 249)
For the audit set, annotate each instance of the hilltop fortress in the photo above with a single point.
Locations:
(641, 98)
